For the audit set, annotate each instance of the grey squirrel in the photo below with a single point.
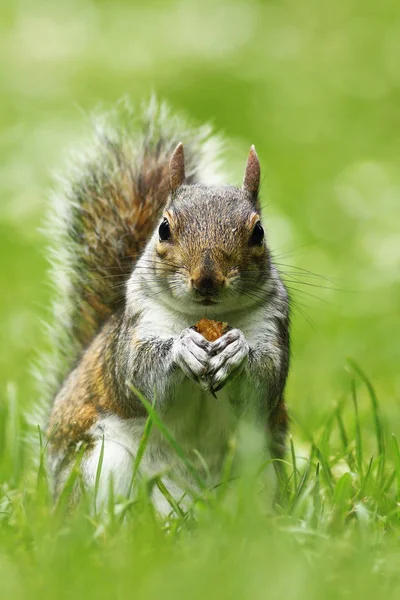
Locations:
(148, 243)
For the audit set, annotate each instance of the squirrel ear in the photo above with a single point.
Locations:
(251, 181)
(177, 168)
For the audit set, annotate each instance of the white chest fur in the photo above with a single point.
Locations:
(200, 423)
(197, 421)
(195, 418)
(161, 321)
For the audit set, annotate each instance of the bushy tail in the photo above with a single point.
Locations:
(104, 214)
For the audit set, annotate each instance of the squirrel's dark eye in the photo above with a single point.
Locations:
(257, 237)
(164, 231)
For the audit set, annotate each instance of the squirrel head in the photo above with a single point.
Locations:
(209, 249)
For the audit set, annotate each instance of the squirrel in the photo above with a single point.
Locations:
(149, 241)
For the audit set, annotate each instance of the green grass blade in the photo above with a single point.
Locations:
(389, 481)
(98, 475)
(302, 483)
(358, 435)
(316, 500)
(379, 429)
(170, 439)
(294, 463)
(111, 503)
(141, 450)
(396, 452)
(203, 463)
(342, 430)
(40, 472)
(342, 493)
(227, 469)
(365, 480)
(42, 487)
(325, 469)
(64, 500)
(168, 496)
(12, 437)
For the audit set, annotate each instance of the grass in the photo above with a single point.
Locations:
(334, 529)
(316, 89)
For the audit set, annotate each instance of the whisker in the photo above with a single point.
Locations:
(294, 252)
(299, 291)
(297, 306)
(314, 285)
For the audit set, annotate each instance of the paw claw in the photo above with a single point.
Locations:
(210, 364)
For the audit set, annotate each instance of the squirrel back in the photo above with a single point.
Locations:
(103, 215)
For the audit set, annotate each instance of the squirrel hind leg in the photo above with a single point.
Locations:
(115, 472)
(278, 431)
(279, 427)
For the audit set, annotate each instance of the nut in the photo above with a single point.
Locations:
(211, 330)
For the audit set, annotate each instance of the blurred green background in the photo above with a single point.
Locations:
(314, 85)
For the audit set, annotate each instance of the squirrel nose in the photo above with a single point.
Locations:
(206, 286)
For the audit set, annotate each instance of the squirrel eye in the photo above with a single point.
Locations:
(164, 231)
(257, 236)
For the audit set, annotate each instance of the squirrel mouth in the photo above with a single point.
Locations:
(207, 302)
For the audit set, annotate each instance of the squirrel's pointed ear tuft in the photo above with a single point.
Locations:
(251, 181)
(177, 168)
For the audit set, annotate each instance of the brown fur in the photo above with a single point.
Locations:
(89, 392)
(115, 224)
(102, 219)
(100, 223)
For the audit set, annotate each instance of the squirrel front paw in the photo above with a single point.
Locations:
(191, 352)
(229, 356)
